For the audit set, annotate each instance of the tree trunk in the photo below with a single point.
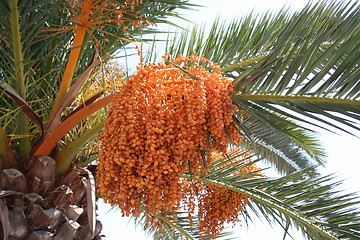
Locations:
(35, 205)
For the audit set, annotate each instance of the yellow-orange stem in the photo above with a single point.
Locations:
(73, 57)
(71, 65)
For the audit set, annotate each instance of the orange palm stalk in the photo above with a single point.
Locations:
(94, 15)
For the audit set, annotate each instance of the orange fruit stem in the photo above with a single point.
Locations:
(74, 56)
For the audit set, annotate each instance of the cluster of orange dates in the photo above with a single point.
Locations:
(166, 120)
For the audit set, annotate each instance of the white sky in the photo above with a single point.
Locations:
(343, 150)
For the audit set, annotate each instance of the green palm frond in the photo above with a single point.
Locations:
(305, 62)
(291, 70)
(286, 147)
(177, 226)
(230, 43)
(312, 205)
(173, 226)
(316, 77)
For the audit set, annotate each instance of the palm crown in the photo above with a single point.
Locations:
(290, 71)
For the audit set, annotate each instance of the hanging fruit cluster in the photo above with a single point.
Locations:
(216, 205)
(163, 121)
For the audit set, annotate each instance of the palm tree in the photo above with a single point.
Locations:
(51, 52)
(285, 67)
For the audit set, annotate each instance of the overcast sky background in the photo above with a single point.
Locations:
(343, 150)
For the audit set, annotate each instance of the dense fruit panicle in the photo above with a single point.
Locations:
(164, 121)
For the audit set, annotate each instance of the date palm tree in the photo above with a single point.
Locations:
(49, 51)
(288, 69)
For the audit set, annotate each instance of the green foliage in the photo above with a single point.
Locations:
(312, 205)
(292, 71)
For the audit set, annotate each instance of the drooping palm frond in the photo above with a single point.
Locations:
(312, 204)
(288, 68)
(286, 147)
(172, 226)
(177, 226)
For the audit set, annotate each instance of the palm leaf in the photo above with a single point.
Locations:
(311, 204)
(291, 70)
(23, 105)
(176, 225)
(285, 146)
(308, 59)
(311, 79)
